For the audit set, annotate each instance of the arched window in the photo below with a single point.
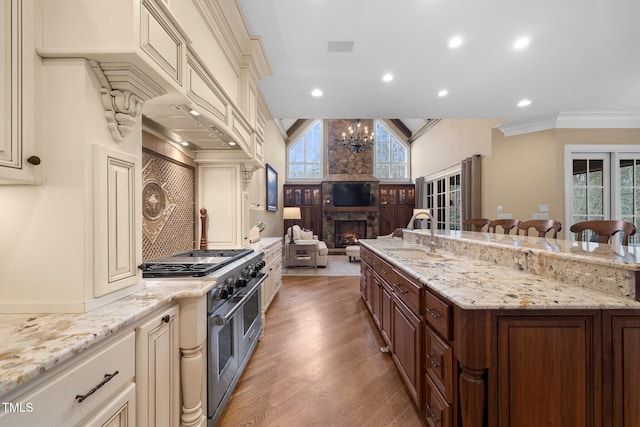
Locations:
(305, 154)
(391, 156)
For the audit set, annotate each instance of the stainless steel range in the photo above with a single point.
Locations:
(195, 263)
(233, 312)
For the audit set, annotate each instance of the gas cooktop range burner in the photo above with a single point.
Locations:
(196, 263)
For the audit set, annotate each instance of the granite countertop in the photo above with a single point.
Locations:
(36, 343)
(476, 284)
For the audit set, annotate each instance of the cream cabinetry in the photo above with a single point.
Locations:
(117, 209)
(158, 369)
(20, 155)
(257, 190)
(273, 266)
(131, 379)
(89, 390)
(226, 204)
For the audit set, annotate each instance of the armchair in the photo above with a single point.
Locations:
(306, 237)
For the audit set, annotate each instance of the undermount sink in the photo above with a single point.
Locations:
(413, 253)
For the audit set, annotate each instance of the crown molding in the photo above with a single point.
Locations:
(572, 120)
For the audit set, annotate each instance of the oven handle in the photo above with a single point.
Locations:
(223, 320)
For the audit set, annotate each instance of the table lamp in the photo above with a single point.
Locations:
(291, 213)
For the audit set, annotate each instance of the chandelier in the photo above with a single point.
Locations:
(358, 138)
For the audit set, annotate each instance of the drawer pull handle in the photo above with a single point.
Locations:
(166, 318)
(433, 313)
(399, 288)
(433, 362)
(107, 377)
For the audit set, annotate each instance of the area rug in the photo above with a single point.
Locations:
(337, 265)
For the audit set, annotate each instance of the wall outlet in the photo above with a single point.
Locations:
(543, 208)
(540, 215)
(499, 209)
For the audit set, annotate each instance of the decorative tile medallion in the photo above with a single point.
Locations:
(157, 202)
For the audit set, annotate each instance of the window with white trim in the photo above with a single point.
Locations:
(391, 159)
(304, 155)
(602, 182)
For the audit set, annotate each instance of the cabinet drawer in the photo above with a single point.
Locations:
(438, 314)
(407, 291)
(55, 401)
(437, 411)
(383, 269)
(365, 255)
(439, 363)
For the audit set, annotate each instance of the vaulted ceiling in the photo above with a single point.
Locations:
(582, 55)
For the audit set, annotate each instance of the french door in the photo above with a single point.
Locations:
(443, 197)
(602, 182)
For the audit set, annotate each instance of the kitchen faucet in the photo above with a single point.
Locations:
(425, 212)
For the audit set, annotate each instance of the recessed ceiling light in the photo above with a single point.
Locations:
(443, 92)
(316, 92)
(521, 43)
(231, 143)
(455, 42)
(387, 77)
(194, 112)
(185, 143)
(524, 103)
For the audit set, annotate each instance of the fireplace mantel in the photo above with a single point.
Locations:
(329, 209)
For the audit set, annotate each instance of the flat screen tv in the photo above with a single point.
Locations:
(351, 194)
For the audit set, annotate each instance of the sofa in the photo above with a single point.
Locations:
(301, 236)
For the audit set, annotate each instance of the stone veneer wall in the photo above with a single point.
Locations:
(341, 160)
(176, 173)
(346, 166)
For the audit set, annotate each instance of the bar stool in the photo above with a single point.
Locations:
(604, 230)
(475, 224)
(506, 224)
(542, 226)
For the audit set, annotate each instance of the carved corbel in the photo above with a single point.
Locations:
(247, 170)
(124, 90)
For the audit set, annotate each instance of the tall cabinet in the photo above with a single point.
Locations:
(309, 199)
(396, 206)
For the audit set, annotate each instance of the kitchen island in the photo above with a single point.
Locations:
(504, 330)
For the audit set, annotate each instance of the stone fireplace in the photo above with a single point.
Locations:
(345, 166)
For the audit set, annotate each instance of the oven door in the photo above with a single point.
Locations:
(234, 330)
(251, 319)
(224, 358)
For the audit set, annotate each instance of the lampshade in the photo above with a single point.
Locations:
(420, 211)
(291, 213)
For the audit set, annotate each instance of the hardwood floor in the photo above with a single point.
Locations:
(319, 364)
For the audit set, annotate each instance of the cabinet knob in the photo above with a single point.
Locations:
(34, 160)
(166, 318)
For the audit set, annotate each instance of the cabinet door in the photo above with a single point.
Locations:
(18, 142)
(407, 349)
(376, 291)
(388, 220)
(386, 313)
(626, 371)
(547, 366)
(117, 224)
(158, 370)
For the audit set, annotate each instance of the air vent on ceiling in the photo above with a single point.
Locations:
(340, 46)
